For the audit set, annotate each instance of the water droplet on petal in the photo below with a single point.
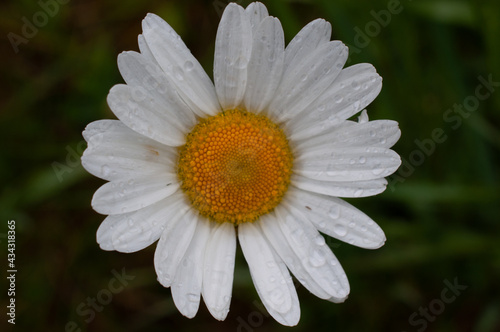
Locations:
(277, 297)
(188, 66)
(317, 258)
(330, 173)
(320, 241)
(193, 297)
(340, 230)
(241, 62)
(334, 212)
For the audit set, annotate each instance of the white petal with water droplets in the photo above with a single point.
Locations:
(145, 50)
(173, 244)
(305, 82)
(218, 271)
(256, 12)
(104, 234)
(353, 89)
(311, 36)
(340, 188)
(305, 253)
(134, 231)
(378, 133)
(313, 253)
(138, 71)
(137, 109)
(116, 152)
(266, 65)
(233, 47)
(175, 59)
(347, 164)
(338, 219)
(127, 195)
(186, 287)
(270, 275)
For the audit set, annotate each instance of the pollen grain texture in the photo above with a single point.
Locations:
(235, 166)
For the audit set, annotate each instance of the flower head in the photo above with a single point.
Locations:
(261, 154)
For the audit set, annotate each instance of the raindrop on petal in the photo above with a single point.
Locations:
(188, 66)
(340, 230)
(334, 212)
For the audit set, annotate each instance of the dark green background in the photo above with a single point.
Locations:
(442, 221)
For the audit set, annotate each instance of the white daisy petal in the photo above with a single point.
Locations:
(104, 234)
(266, 65)
(306, 81)
(353, 89)
(363, 117)
(116, 152)
(174, 242)
(101, 126)
(347, 164)
(127, 195)
(378, 133)
(310, 252)
(138, 71)
(134, 231)
(340, 188)
(256, 12)
(233, 47)
(145, 50)
(311, 36)
(270, 276)
(135, 107)
(186, 287)
(338, 219)
(218, 270)
(192, 82)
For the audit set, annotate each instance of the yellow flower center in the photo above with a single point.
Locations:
(235, 166)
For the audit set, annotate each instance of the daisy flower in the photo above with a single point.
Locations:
(261, 154)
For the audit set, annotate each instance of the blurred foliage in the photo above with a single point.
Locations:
(441, 220)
